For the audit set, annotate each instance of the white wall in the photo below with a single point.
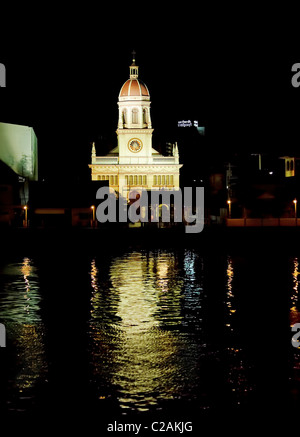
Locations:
(18, 149)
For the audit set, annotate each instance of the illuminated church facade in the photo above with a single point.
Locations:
(134, 164)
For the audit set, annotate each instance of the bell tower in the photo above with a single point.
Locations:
(134, 123)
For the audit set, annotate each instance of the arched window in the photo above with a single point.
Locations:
(145, 121)
(124, 117)
(134, 116)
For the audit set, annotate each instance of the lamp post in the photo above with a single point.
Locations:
(93, 212)
(26, 216)
(229, 208)
(295, 205)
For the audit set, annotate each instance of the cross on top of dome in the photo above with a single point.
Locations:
(133, 57)
(134, 69)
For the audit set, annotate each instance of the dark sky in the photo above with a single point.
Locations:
(231, 70)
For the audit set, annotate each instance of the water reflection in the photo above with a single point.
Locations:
(237, 368)
(137, 295)
(295, 318)
(20, 304)
(294, 307)
(20, 294)
(32, 365)
(147, 363)
(194, 295)
(229, 294)
(150, 334)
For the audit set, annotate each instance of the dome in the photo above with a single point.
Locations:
(134, 88)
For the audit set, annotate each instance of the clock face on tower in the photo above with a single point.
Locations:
(135, 145)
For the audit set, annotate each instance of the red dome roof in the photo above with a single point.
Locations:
(134, 88)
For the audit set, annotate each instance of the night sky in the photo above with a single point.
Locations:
(231, 70)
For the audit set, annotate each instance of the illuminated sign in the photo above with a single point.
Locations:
(189, 123)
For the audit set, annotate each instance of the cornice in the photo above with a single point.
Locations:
(134, 131)
(134, 168)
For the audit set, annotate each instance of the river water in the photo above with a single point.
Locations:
(145, 332)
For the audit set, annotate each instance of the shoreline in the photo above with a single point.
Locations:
(212, 239)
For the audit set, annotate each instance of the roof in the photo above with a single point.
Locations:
(134, 88)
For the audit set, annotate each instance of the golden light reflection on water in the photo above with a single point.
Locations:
(229, 293)
(145, 361)
(294, 308)
(138, 301)
(26, 271)
(32, 362)
(94, 273)
(236, 370)
(20, 312)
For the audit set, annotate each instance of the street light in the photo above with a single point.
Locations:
(229, 208)
(295, 204)
(93, 211)
(26, 211)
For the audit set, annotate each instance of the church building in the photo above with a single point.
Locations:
(134, 164)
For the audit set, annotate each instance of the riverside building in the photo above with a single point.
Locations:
(134, 164)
